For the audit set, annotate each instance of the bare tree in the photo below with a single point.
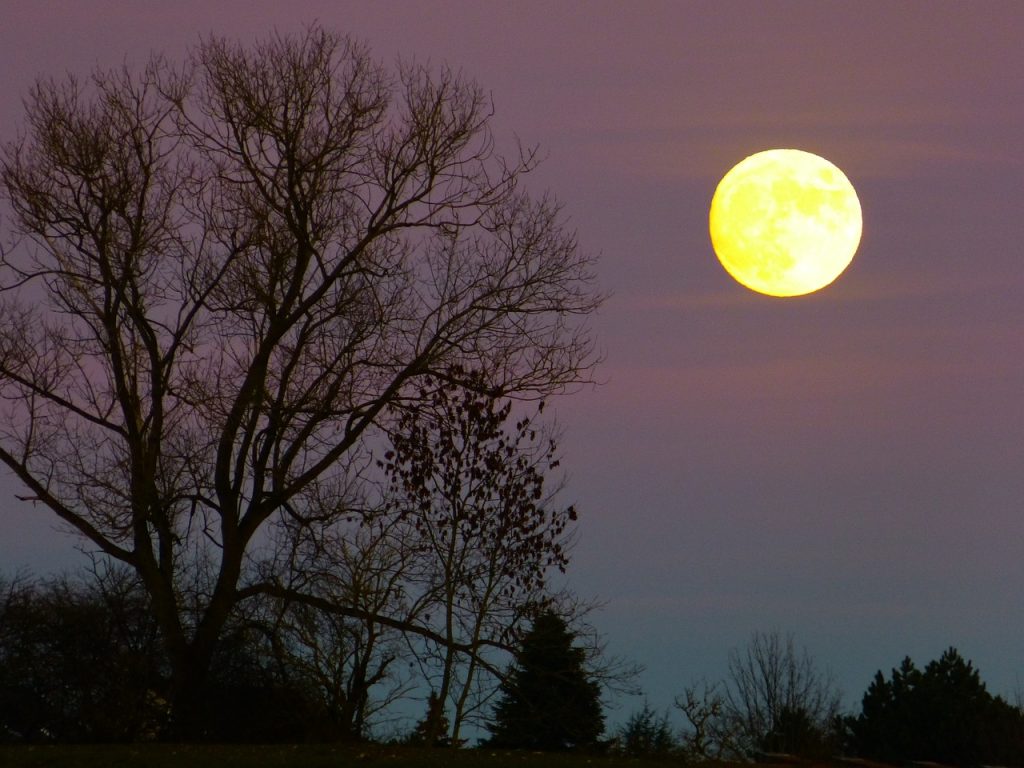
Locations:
(772, 687)
(229, 276)
(472, 486)
(705, 736)
(354, 664)
(774, 700)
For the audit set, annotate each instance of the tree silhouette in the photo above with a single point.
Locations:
(776, 697)
(548, 702)
(432, 730)
(470, 484)
(646, 734)
(795, 732)
(942, 714)
(79, 661)
(228, 275)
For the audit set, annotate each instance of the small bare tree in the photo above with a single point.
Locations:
(472, 487)
(772, 686)
(705, 736)
(774, 700)
(229, 276)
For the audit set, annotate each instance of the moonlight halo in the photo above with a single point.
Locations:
(785, 222)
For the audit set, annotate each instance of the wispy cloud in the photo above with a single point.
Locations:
(891, 288)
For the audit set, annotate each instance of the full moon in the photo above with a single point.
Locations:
(785, 222)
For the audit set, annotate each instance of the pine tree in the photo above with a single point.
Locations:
(646, 734)
(941, 714)
(432, 730)
(548, 701)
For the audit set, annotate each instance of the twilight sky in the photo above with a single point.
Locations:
(846, 466)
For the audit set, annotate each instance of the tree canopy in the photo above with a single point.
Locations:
(229, 278)
(941, 714)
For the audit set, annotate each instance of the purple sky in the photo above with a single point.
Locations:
(846, 466)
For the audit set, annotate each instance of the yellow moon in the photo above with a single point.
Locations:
(785, 222)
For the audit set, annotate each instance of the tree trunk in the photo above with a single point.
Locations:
(189, 677)
(460, 707)
(191, 665)
(437, 724)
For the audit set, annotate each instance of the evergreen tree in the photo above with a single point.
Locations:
(432, 730)
(941, 714)
(646, 734)
(548, 701)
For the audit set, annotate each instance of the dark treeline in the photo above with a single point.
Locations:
(81, 660)
(942, 713)
(775, 700)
